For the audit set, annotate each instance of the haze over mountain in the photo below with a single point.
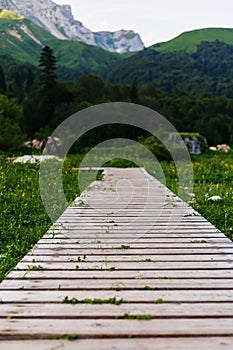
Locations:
(59, 21)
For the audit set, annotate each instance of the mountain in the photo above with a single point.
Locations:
(196, 62)
(60, 22)
(23, 40)
(189, 41)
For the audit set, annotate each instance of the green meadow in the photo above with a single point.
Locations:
(24, 219)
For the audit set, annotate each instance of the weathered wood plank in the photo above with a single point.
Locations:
(106, 238)
(129, 296)
(50, 274)
(114, 284)
(135, 265)
(132, 251)
(171, 310)
(171, 343)
(134, 244)
(170, 255)
(129, 258)
(41, 329)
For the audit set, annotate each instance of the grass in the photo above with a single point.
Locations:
(149, 288)
(79, 259)
(74, 301)
(125, 247)
(5, 14)
(70, 54)
(22, 215)
(24, 219)
(159, 301)
(65, 337)
(137, 317)
(213, 176)
(189, 41)
(145, 260)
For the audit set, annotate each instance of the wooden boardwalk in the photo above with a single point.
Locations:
(127, 266)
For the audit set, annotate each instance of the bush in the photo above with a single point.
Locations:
(11, 137)
(156, 147)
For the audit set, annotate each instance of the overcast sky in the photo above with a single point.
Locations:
(154, 20)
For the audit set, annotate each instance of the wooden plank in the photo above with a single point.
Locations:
(132, 251)
(129, 258)
(82, 311)
(129, 296)
(190, 273)
(135, 244)
(103, 219)
(50, 274)
(111, 240)
(39, 329)
(135, 265)
(68, 235)
(171, 343)
(114, 284)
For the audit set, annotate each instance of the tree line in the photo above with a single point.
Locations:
(33, 105)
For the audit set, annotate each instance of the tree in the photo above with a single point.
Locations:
(89, 88)
(3, 87)
(10, 109)
(17, 87)
(48, 85)
(11, 137)
(134, 93)
(48, 67)
(29, 81)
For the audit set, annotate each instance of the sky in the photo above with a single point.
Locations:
(154, 20)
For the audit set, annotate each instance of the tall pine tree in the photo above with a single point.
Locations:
(18, 89)
(29, 81)
(3, 88)
(48, 85)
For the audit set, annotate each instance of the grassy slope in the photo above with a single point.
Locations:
(21, 47)
(188, 41)
(70, 54)
(5, 14)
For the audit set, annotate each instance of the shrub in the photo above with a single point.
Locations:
(11, 137)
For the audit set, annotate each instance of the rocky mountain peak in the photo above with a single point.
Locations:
(60, 22)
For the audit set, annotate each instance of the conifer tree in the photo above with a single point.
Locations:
(48, 85)
(18, 90)
(29, 81)
(3, 88)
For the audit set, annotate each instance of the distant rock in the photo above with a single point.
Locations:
(224, 148)
(49, 144)
(60, 22)
(195, 143)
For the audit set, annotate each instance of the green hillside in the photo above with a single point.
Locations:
(208, 70)
(189, 41)
(22, 40)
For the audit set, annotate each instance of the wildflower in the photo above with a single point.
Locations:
(215, 198)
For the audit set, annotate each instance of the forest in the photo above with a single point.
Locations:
(35, 100)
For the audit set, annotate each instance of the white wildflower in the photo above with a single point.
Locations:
(215, 198)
